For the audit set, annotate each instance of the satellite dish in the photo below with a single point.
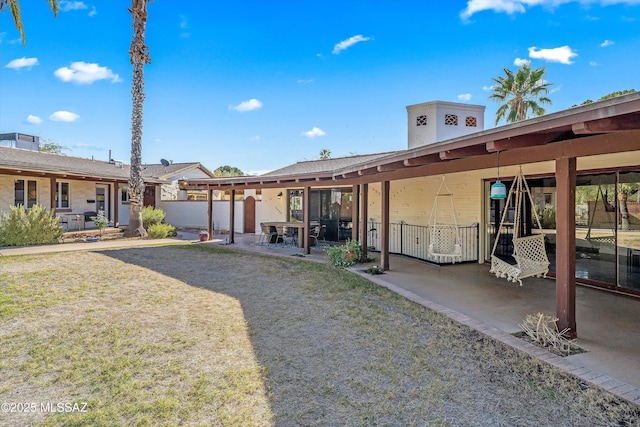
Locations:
(164, 162)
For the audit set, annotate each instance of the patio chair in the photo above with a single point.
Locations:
(272, 234)
(314, 234)
(264, 235)
(291, 236)
(280, 237)
(321, 240)
(529, 252)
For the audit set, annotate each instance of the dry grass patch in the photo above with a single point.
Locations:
(192, 335)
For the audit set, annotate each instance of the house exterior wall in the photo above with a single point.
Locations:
(79, 193)
(193, 214)
(185, 214)
(271, 208)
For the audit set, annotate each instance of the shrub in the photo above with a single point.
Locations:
(161, 231)
(37, 226)
(345, 255)
(151, 216)
(100, 221)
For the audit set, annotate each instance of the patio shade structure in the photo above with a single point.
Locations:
(600, 128)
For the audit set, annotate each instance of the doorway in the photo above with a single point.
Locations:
(102, 199)
(149, 196)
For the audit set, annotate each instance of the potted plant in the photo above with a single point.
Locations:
(374, 269)
(345, 255)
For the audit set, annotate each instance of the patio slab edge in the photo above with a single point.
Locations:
(619, 389)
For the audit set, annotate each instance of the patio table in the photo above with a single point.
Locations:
(70, 219)
(299, 225)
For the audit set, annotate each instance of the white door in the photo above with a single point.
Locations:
(102, 199)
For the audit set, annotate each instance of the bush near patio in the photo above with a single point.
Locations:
(153, 222)
(345, 255)
(36, 226)
(161, 231)
(152, 216)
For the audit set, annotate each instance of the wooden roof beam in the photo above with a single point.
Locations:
(523, 141)
(391, 166)
(422, 160)
(351, 175)
(459, 153)
(607, 125)
(368, 171)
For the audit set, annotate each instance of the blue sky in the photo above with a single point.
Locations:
(263, 84)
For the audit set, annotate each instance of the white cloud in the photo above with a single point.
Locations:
(184, 26)
(244, 106)
(85, 73)
(561, 54)
(66, 6)
(33, 120)
(606, 43)
(593, 63)
(85, 146)
(64, 116)
(22, 63)
(93, 11)
(520, 6)
(345, 44)
(315, 131)
(488, 88)
(519, 62)
(184, 22)
(255, 138)
(464, 96)
(305, 81)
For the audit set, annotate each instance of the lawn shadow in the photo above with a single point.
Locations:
(336, 349)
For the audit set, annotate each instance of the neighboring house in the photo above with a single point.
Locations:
(577, 162)
(74, 185)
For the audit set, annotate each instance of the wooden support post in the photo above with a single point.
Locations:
(210, 213)
(232, 216)
(52, 194)
(355, 196)
(384, 235)
(566, 245)
(364, 213)
(116, 198)
(306, 214)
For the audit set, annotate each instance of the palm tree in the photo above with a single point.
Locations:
(325, 153)
(520, 94)
(14, 7)
(139, 56)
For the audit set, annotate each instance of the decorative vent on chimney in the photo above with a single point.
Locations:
(451, 120)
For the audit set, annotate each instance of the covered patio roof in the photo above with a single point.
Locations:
(586, 130)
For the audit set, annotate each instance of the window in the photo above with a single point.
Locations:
(421, 121)
(62, 195)
(26, 196)
(470, 121)
(124, 194)
(451, 120)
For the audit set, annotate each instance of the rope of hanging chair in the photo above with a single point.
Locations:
(438, 229)
(519, 187)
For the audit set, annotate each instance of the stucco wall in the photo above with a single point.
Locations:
(79, 193)
(193, 214)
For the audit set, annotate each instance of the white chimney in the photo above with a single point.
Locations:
(436, 121)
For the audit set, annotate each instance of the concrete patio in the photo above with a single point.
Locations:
(608, 324)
